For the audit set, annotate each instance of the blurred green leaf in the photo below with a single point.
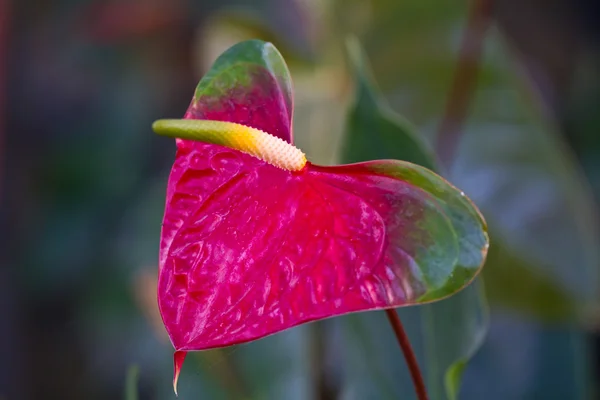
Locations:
(525, 359)
(520, 172)
(447, 332)
(410, 46)
(511, 162)
(131, 382)
(513, 282)
(373, 131)
(443, 335)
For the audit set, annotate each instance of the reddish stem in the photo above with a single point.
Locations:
(465, 80)
(409, 355)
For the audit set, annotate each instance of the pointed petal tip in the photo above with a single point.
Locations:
(178, 359)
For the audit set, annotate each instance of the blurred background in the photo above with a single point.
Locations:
(507, 94)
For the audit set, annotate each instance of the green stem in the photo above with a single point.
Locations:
(409, 355)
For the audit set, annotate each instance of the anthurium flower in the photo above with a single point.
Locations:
(256, 239)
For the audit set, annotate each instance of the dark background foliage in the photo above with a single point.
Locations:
(83, 178)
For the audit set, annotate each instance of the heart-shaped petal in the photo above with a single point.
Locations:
(256, 240)
(249, 249)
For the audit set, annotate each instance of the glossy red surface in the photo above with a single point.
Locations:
(248, 249)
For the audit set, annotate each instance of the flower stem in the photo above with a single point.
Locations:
(409, 355)
(327, 387)
(465, 80)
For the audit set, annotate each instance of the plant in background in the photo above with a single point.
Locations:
(256, 239)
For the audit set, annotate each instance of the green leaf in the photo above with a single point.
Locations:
(374, 366)
(131, 382)
(531, 290)
(373, 130)
(521, 173)
(446, 333)
(540, 212)
(524, 359)
(511, 161)
(453, 331)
